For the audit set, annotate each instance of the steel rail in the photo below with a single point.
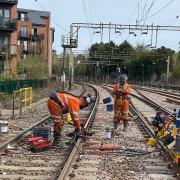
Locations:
(149, 101)
(14, 139)
(74, 152)
(168, 94)
(143, 122)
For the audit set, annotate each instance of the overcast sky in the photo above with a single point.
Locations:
(65, 12)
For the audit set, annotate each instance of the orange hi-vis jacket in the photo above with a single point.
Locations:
(69, 103)
(125, 90)
(121, 102)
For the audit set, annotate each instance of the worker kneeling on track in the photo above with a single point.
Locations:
(61, 103)
(121, 103)
(165, 130)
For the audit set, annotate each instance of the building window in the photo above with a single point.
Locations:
(25, 45)
(3, 42)
(18, 42)
(4, 15)
(24, 31)
(23, 16)
(19, 16)
(34, 31)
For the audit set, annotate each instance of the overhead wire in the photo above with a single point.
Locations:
(169, 23)
(91, 17)
(132, 15)
(157, 12)
(59, 26)
(145, 15)
(86, 17)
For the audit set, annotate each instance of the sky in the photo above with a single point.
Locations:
(65, 12)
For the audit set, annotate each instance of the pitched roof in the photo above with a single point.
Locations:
(35, 16)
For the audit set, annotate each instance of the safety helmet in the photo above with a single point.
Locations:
(123, 78)
(88, 98)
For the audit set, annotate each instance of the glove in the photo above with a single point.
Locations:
(77, 131)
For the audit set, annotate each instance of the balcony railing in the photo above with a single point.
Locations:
(8, 50)
(13, 2)
(23, 35)
(38, 37)
(8, 25)
(4, 49)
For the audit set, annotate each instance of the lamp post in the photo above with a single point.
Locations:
(167, 70)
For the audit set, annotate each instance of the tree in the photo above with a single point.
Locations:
(33, 66)
(176, 66)
(126, 47)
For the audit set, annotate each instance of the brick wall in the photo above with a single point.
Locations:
(13, 38)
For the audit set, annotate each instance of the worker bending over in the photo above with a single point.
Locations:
(121, 91)
(61, 103)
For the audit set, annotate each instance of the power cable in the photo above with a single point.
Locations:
(171, 21)
(86, 17)
(146, 16)
(41, 7)
(90, 12)
(170, 2)
(148, 11)
(132, 15)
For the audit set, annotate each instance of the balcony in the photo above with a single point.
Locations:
(10, 2)
(8, 25)
(24, 35)
(8, 50)
(4, 49)
(38, 37)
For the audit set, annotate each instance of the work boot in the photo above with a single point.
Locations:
(126, 124)
(57, 138)
(115, 125)
(76, 135)
(71, 134)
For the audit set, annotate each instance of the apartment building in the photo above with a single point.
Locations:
(8, 38)
(25, 32)
(35, 35)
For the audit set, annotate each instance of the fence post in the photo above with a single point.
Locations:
(13, 103)
(20, 102)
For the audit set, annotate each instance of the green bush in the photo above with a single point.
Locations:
(33, 67)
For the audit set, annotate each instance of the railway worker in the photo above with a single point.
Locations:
(61, 103)
(121, 91)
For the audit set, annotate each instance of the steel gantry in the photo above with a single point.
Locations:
(71, 41)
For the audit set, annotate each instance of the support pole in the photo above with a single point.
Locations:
(71, 62)
(63, 75)
(167, 73)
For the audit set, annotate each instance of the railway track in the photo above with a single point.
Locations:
(131, 157)
(124, 156)
(30, 119)
(18, 162)
(170, 96)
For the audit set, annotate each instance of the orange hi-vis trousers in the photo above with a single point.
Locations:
(70, 104)
(121, 110)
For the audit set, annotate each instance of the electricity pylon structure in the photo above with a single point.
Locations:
(72, 41)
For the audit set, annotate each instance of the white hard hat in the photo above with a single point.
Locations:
(88, 99)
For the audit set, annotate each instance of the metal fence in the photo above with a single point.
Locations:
(10, 85)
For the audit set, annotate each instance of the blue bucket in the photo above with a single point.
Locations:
(109, 107)
(107, 100)
(177, 123)
(43, 132)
